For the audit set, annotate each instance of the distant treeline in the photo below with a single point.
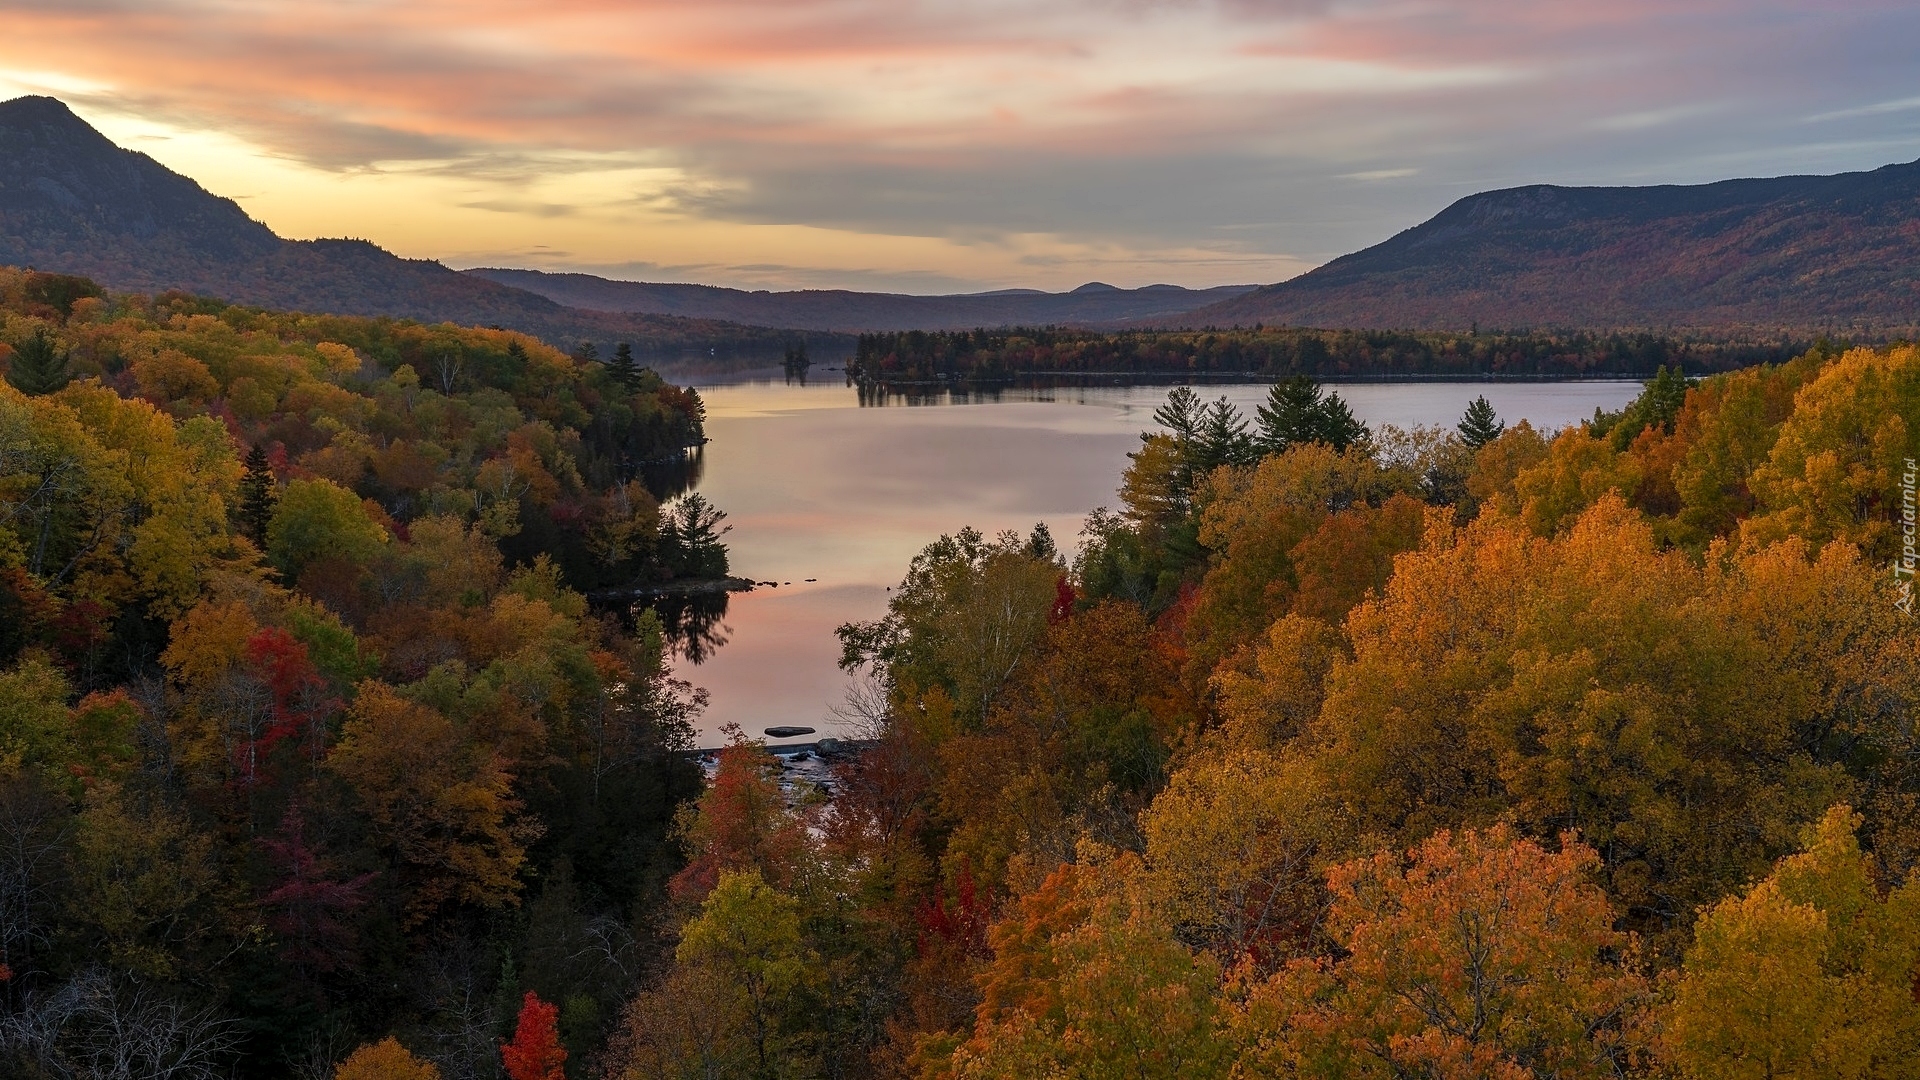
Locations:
(1285, 351)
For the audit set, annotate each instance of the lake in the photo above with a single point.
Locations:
(831, 498)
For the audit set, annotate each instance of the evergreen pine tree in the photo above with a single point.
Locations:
(1480, 425)
(623, 369)
(1182, 413)
(258, 497)
(1296, 413)
(1221, 439)
(516, 359)
(39, 365)
(1338, 427)
(1658, 406)
(1290, 416)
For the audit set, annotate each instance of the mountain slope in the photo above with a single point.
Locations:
(845, 310)
(72, 201)
(1806, 252)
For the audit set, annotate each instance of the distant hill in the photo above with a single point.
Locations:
(72, 201)
(1093, 304)
(1795, 252)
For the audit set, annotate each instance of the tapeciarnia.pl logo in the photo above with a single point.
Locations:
(1903, 566)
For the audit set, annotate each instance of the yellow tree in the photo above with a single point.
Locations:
(1586, 680)
(1087, 982)
(1834, 471)
(1256, 520)
(1481, 955)
(180, 480)
(1236, 849)
(1810, 973)
(385, 1060)
(1269, 692)
(1579, 468)
(732, 1003)
(441, 806)
(1729, 424)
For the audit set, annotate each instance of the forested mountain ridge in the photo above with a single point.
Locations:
(1092, 304)
(73, 202)
(1807, 253)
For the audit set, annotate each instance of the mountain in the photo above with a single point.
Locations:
(1793, 252)
(71, 201)
(1092, 304)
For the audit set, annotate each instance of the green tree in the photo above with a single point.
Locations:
(733, 1003)
(319, 518)
(1658, 406)
(1182, 413)
(623, 369)
(690, 532)
(796, 360)
(1480, 425)
(39, 365)
(258, 497)
(1297, 413)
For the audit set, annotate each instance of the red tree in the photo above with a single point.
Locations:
(535, 1052)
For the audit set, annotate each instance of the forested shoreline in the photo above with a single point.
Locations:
(1282, 352)
(1330, 751)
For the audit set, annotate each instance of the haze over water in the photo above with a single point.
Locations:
(816, 486)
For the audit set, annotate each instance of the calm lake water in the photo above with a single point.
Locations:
(817, 486)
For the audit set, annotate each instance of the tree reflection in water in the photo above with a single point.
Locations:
(672, 479)
(694, 625)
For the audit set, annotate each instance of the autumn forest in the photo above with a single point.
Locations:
(1328, 751)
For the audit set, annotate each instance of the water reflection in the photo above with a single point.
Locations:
(1089, 388)
(671, 479)
(694, 625)
(831, 493)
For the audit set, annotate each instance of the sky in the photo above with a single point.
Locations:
(963, 145)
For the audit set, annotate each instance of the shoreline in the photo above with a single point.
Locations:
(687, 587)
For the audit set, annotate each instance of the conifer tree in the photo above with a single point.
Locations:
(1181, 414)
(1221, 439)
(1296, 413)
(1339, 428)
(258, 497)
(1480, 425)
(623, 369)
(39, 365)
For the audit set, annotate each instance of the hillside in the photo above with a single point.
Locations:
(1795, 252)
(71, 201)
(1092, 304)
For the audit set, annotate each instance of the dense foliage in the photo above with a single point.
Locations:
(1484, 752)
(1450, 754)
(1280, 351)
(308, 737)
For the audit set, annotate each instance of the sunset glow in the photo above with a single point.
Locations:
(933, 147)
